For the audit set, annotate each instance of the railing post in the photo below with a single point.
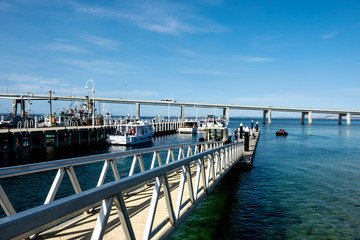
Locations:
(5, 203)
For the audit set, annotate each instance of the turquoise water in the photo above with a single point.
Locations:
(303, 186)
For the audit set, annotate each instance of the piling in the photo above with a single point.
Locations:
(246, 140)
(241, 131)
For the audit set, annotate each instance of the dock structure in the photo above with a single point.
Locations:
(150, 203)
(12, 139)
(267, 110)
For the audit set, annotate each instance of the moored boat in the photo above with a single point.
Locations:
(217, 133)
(189, 127)
(131, 133)
(211, 121)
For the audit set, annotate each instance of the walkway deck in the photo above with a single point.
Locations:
(138, 205)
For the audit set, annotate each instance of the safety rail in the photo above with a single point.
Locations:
(210, 166)
(109, 159)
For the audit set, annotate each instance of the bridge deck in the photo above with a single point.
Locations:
(138, 205)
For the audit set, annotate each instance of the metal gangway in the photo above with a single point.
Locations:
(148, 198)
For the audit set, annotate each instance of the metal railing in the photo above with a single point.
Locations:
(109, 160)
(210, 166)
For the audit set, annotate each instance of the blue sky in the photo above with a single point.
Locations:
(269, 53)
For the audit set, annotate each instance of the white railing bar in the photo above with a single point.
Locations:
(152, 209)
(153, 161)
(190, 185)
(180, 192)
(158, 157)
(55, 185)
(103, 173)
(46, 215)
(102, 219)
(133, 165)
(54, 165)
(5, 203)
(141, 162)
(169, 205)
(124, 217)
(74, 181)
(197, 179)
(114, 168)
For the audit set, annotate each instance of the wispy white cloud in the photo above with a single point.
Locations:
(30, 83)
(102, 42)
(271, 99)
(65, 47)
(133, 94)
(351, 90)
(15, 77)
(97, 66)
(162, 17)
(182, 51)
(329, 35)
(5, 6)
(205, 72)
(143, 93)
(251, 59)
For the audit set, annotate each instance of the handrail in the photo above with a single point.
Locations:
(219, 160)
(109, 161)
(47, 166)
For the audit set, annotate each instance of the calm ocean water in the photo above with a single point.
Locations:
(303, 186)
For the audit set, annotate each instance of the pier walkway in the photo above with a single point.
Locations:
(150, 201)
(12, 139)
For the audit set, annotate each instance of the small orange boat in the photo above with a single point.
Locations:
(281, 132)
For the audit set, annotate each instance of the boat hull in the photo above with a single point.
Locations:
(128, 140)
(187, 130)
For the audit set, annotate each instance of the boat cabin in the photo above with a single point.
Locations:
(216, 133)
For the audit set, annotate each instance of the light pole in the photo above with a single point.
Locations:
(93, 102)
(169, 112)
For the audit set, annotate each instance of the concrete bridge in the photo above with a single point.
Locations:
(267, 110)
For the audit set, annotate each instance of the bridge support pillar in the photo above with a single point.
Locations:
(137, 111)
(303, 118)
(269, 116)
(340, 118)
(15, 104)
(303, 114)
(226, 114)
(182, 114)
(348, 119)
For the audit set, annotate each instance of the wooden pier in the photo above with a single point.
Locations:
(12, 139)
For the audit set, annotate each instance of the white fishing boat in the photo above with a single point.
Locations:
(217, 133)
(211, 121)
(131, 133)
(189, 128)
